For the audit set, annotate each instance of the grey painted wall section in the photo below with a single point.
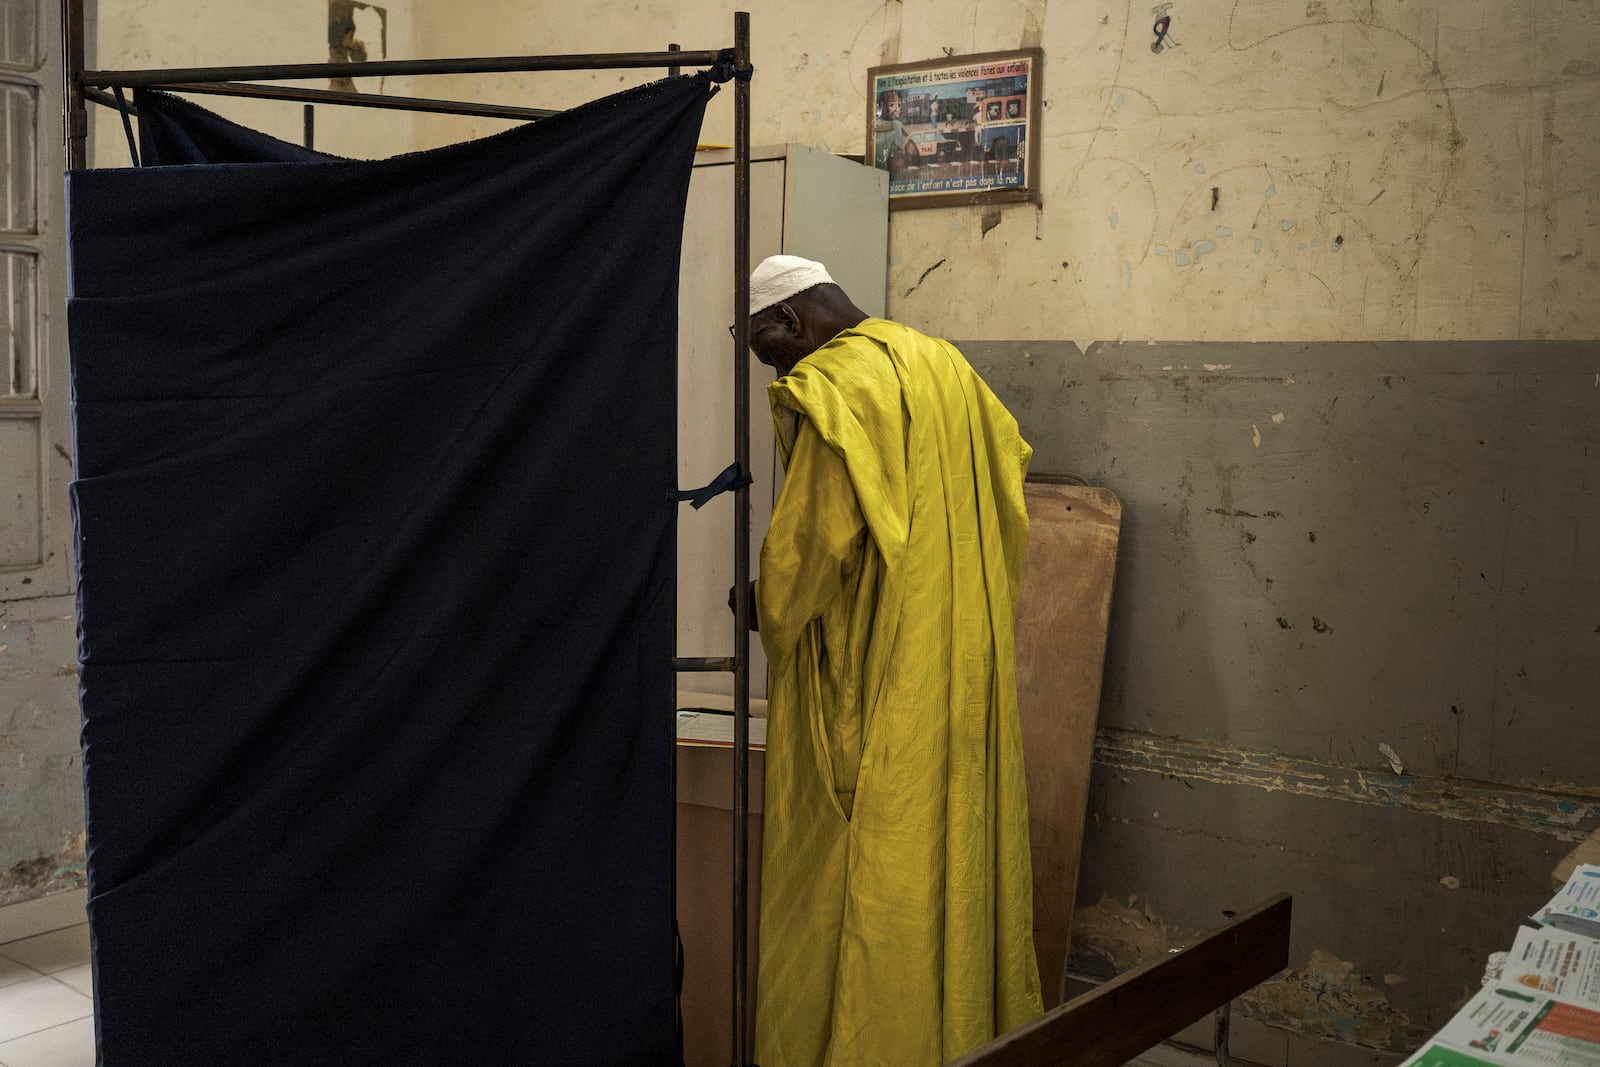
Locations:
(41, 776)
(1354, 650)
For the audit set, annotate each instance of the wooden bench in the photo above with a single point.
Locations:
(1133, 1012)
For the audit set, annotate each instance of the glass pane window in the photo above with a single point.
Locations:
(21, 361)
(19, 107)
(19, 34)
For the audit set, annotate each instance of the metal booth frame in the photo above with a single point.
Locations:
(82, 86)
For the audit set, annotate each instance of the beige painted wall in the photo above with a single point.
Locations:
(1385, 169)
(141, 34)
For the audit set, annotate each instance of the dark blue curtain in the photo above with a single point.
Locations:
(173, 130)
(375, 562)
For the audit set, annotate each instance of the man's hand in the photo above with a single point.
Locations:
(750, 603)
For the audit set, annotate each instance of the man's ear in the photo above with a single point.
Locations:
(789, 319)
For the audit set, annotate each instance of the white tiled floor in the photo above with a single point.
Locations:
(46, 1010)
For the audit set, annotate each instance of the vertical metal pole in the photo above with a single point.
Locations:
(674, 70)
(741, 534)
(1219, 1035)
(75, 117)
(311, 126)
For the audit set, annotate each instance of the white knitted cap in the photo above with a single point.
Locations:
(780, 277)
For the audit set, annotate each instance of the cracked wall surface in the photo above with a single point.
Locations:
(1352, 652)
(41, 771)
(1311, 290)
(1338, 170)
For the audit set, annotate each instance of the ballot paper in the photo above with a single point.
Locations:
(713, 728)
(1575, 909)
(1514, 1026)
(1549, 960)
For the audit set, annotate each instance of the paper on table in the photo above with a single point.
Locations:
(705, 728)
(1576, 907)
(1555, 962)
(1507, 1026)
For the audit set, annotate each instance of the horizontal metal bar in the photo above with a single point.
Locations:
(100, 96)
(328, 96)
(686, 664)
(396, 68)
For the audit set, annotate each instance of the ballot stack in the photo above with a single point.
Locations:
(1540, 1001)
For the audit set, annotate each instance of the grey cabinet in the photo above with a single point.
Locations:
(802, 202)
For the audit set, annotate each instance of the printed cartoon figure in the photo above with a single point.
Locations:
(1488, 1043)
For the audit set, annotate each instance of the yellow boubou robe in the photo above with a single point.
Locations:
(896, 889)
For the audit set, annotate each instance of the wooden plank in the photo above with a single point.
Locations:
(1588, 851)
(1135, 1011)
(1063, 610)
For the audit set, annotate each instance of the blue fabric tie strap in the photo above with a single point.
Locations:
(729, 480)
(726, 70)
(127, 124)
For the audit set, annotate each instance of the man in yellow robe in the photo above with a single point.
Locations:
(897, 894)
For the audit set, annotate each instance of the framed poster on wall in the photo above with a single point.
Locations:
(957, 130)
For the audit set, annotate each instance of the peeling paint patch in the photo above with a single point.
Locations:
(1109, 938)
(1217, 366)
(1277, 420)
(1393, 757)
(1329, 998)
(1255, 435)
(1535, 810)
(1114, 219)
(44, 875)
(1450, 881)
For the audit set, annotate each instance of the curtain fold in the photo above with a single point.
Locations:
(373, 506)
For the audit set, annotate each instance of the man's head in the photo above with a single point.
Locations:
(891, 103)
(795, 308)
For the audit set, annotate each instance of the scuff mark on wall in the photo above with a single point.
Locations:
(1033, 25)
(924, 277)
